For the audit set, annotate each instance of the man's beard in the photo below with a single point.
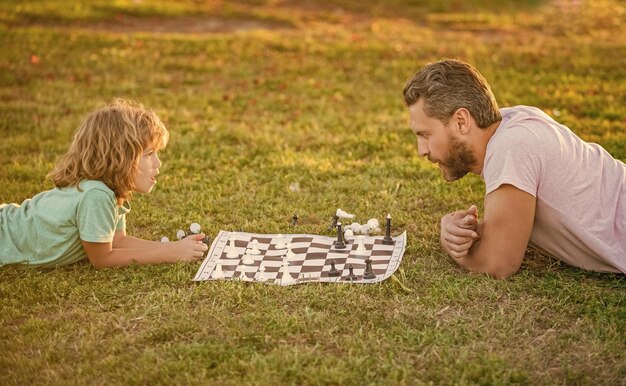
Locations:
(458, 162)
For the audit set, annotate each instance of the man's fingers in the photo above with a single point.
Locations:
(461, 247)
(461, 232)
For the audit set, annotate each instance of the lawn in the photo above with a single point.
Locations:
(283, 107)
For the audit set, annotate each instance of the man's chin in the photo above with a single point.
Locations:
(452, 176)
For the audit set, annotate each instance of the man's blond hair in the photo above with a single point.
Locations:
(108, 146)
(448, 85)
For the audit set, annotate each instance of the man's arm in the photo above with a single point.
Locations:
(504, 233)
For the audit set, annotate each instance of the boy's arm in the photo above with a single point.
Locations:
(504, 233)
(124, 250)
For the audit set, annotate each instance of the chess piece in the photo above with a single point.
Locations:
(339, 243)
(294, 219)
(181, 234)
(374, 225)
(261, 274)
(387, 240)
(348, 233)
(369, 272)
(286, 277)
(254, 247)
(343, 214)
(290, 254)
(361, 250)
(351, 276)
(164, 239)
(334, 272)
(231, 252)
(218, 273)
(356, 227)
(194, 228)
(281, 243)
(334, 223)
(247, 259)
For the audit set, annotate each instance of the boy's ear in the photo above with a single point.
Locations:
(463, 119)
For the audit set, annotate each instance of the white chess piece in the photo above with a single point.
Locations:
(374, 224)
(281, 242)
(286, 275)
(356, 227)
(194, 228)
(164, 239)
(231, 252)
(348, 233)
(360, 249)
(365, 229)
(254, 247)
(261, 274)
(343, 214)
(180, 234)
(290, 255)
(218, 273)
(247, 259)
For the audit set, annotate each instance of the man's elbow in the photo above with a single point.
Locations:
(503, 268)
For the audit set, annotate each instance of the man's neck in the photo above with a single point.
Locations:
(479, 146)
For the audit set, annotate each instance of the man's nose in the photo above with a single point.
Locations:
(422, 149)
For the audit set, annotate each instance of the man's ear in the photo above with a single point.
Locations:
(463, 120)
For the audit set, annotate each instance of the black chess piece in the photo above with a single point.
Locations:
(334, 223)
(333, 270)
(206, 240)
(369, 272)
(387, 240)
(351, 276)
(294, 219)
(339, 243)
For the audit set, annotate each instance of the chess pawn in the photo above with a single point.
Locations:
(361, 250)
(194, 228)
(218, 273)
(280, 244)
(164, 239)
(290, 255)
(247, 259)
(181, 234)
(261, 274)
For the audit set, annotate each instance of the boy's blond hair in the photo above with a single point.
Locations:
(108, 145)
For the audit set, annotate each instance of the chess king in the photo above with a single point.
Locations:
(544, 185)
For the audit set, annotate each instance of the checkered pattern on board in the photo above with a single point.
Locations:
(312, 260)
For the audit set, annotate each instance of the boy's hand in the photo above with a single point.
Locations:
(459, 231)
(190, 248)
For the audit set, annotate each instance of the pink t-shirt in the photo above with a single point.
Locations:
(580, 188)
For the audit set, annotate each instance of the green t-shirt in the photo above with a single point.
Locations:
(47, 230)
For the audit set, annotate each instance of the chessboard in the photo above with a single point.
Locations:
(300, 258)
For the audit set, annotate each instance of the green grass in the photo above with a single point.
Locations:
(312, 97)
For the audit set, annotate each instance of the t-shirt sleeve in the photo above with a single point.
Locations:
(96, 217)
(514, 158)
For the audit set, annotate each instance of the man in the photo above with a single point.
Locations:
(543, 183)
